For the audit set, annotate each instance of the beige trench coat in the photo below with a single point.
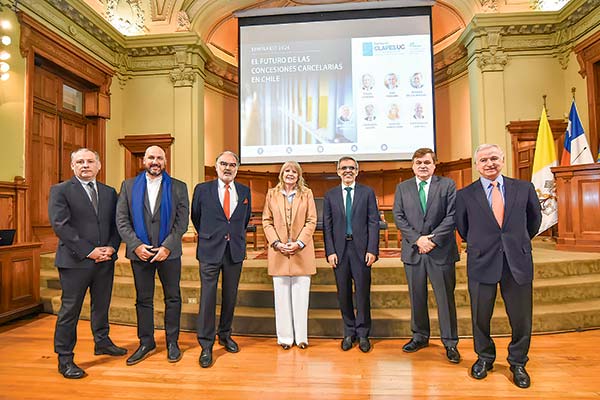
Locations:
(302, 227)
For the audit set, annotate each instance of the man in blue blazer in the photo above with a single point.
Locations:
(351, 235)
(424, 209)
(221, 210)
(498, 216)
(82, 214)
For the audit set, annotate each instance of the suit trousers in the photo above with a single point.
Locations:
(352, 267)
(291, 308)
(443, 281)
(169, 273)
(74, 283)
(518, 303)
(209, 277)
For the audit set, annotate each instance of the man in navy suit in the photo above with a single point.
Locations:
(152, 216)
(221, 211)
(424, 213)
(351, 235)
(498, 216)
(82, 214)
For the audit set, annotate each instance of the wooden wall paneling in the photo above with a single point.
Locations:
(13, 213)
(588, 57)
(523, 137)
(135, 147)
(578, 193)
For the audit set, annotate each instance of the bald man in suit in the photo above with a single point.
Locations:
(82, 214)
(498, 216)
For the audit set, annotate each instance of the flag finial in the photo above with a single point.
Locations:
(544, 101)
(573, 92)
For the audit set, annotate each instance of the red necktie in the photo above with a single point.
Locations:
(226, 201)
(497, 203)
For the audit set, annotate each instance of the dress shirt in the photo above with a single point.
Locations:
(344, 193)
(487, 188)
(85, 187)
(233, 197)
(426, 187)
(153, 187)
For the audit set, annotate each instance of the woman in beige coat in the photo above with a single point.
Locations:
(289, 220)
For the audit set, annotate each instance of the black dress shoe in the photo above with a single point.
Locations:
(111, 350)
(206, 357)
(229, 344)
(480, 368)
(70, 370)
(303, 345)
(520, 376)
(364, 344)
(452, 354)
(173, 352)
(414, 345)
(348, 342)
(285, 346)
(140, 354)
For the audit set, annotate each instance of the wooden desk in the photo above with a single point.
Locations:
(19, 280)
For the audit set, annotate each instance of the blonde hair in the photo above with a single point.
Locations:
(300, 185)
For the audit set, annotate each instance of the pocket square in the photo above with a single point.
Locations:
(245, 201)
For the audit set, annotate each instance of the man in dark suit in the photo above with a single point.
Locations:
(152, 216)
(221, 211)
(498, 216)
(424, 213)
(82, 214)
(351, 235)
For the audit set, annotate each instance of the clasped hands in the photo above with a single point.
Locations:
(425, 244)
(148, 253)
(288, 249)
(101, 254)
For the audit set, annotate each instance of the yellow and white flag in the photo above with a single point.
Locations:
(541, 176)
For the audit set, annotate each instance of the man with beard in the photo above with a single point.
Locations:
(152, 216)
(221, 211)
(351, 235)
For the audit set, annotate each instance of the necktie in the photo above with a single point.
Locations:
(348, 210)
(93, 195)
(497, 203)
(422, 195)
(226, 202)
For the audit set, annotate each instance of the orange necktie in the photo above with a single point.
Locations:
(226, 201)
(497, 203)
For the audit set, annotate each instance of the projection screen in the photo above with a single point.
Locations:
(315, 85)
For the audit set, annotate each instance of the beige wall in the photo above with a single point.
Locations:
(115, 155)
(12, 108)
(453, 120)
(221, 116)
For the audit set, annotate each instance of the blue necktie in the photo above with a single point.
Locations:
(422, 195)
(348, 210)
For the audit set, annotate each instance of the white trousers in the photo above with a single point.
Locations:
(291, 308)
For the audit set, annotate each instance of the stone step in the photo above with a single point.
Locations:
(386, 271)
(327, 322)
(546, 291)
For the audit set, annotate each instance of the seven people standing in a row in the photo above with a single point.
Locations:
(496, 215)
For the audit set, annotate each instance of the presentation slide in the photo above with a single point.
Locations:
(314, 91)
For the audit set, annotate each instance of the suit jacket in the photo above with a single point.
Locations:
(365, 221)
(302, 227)
(77, 226)
(178, 223)
(437, 220)
(487, 243)
(213, 227)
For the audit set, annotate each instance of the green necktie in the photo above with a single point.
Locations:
(422, 195)
(348, 189)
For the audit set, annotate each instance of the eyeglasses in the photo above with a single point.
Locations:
(226, 164)
(347, 168)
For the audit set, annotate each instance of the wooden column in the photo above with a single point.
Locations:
(578, 193)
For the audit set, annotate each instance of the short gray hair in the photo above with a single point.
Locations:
(486, 146)
(237, 159)
(82, 149)
(344, 158)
